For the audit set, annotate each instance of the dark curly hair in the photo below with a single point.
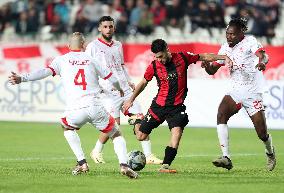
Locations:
(105, 18)
(239, 23)
(159, 45)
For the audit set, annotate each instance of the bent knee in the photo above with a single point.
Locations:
(141, 136)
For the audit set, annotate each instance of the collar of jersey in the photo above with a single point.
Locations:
(108, 44)
(75, 50)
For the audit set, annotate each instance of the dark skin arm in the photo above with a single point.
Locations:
(263, 60)
(210, 68)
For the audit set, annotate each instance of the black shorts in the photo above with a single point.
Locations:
(156, 115)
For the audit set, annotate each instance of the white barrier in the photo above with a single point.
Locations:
(44, 101)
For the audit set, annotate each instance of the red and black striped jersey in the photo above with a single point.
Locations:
(171, 78)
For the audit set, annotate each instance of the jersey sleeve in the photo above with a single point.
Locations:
(55, 66)
(121, 53)
(149, 73)
(191, 57)
(221, 52)
(89, 50)
(103, 71)
(255, 46)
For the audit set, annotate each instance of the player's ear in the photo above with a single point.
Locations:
(99, 28)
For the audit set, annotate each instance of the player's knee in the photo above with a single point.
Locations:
(221, 118)
(141, 136)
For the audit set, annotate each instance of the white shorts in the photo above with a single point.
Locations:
(113, 103)
(252, 102)
(96, 115)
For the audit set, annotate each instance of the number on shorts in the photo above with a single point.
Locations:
(80, 73)
(257, 105)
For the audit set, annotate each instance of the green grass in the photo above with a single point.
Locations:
(35, 158)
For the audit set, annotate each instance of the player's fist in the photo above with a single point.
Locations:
(14, 78)
(126, 105)
(260, 66)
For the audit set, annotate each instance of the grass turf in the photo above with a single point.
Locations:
(34, 157)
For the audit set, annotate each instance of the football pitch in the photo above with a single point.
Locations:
(35, 158)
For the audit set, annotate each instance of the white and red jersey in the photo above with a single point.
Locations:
(110, 55)
(79, 76)
(244, 74)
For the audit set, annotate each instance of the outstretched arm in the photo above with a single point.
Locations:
(263, 60)
(210, 67)
(139, 88)
(214, 57)
(15, 78)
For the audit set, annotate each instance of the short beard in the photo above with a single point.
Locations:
(107, 38)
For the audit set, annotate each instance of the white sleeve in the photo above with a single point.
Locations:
(103, 71)
(121, 53)
(55, 66)
(89, 50)
(221, 52)
(37, 75)
(254, 44)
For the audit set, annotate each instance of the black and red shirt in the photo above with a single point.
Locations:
(171, 78)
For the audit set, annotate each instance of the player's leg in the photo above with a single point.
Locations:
(177, 119)
(106, 124)
(260, 126)
(134, 113)
(108, 101)
(227, 108)
(146, 143)
(72, 122)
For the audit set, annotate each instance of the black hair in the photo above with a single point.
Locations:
(239, 23)
(105, 18)
(159, 45)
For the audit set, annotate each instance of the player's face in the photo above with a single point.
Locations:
(107, 29)
(233, 35)
(162, 57)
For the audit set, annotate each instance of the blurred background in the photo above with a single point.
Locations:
(140, 20)
(33, 32)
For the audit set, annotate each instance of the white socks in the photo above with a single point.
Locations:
(268, 145)
(99, 147)
(223, 135)
(74, 142)
(146, 146)
(119, 146)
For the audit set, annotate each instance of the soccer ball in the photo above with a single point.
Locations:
(136, 160)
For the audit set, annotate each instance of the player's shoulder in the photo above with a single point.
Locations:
(117, 43)
(250, 38)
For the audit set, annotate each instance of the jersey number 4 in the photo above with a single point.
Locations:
(80, 79)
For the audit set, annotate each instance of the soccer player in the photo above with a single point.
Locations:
(170, 70)
(109, 53)
(247, 82)
(79, 76)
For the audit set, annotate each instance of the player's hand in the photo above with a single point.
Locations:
(126, 105)
(121, 93)
(260, 66)
(14, 78)
(132, 85)
(228, 61)
(205, 64)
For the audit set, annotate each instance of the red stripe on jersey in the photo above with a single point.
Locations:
(259, 49)
(109, 75)
(164, 84)
(75, 50)
(217, 64)
(239, 106)
(53, 71)
(182, 82)
(154, 115)
(108, 44)
(22, 52)
(65, 123)
(110, 125)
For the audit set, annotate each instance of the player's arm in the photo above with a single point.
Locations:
(210, 67)
(263, 60)
(139, 88)
(132, 85)
(15, 78)
(214, 57)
